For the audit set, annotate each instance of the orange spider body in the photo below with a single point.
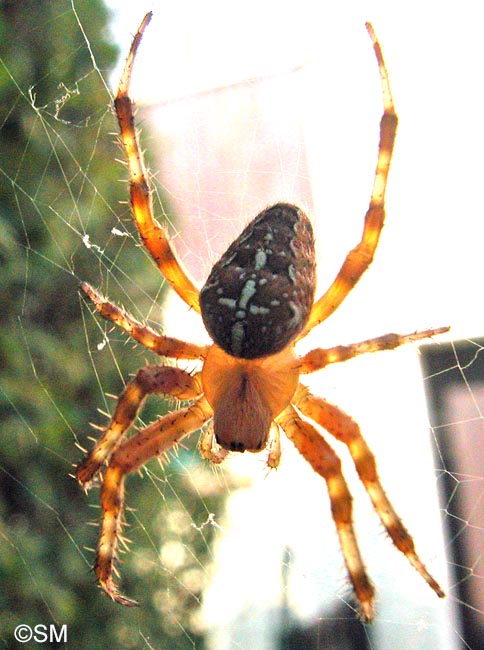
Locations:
(258, 301)
(247, 395)
(255, 302)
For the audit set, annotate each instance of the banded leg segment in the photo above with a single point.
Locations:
(163, 345)
(321, 357)
(152, 441)
(152, 234)
(151, 379)
(326, 463)
(345, 429)
(360, 258)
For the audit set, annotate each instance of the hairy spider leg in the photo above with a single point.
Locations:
(154, 440)
(164, 380)
(151, 232)
(163, 345)
(359, 259)
(342, 427)
(321, 357)
(322, 458)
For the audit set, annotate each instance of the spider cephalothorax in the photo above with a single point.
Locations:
(258, 301)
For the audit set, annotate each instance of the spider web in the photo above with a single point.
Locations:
(237, 558)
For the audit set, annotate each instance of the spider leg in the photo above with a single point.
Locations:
(321, 357)
(322, 458)
(360, 258)
(154, 440)
(345, 429)
(152, 234)
(151, 379)
(163, 345)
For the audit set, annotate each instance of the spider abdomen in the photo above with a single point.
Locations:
(259, 294)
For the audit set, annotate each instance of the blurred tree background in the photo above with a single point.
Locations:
(60, 200)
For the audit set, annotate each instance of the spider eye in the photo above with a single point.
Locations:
(258, 296)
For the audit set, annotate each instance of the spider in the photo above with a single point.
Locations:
(256, 304)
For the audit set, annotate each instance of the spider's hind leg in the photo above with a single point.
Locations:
(321, 357)
(359, 259)
(151, 232)
(163, 345)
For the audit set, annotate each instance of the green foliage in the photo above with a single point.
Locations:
(59, 200)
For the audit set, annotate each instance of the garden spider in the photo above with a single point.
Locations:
(257, 303)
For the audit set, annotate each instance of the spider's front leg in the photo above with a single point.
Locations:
(323, 459)
(164, 380)
(152, 441)
(340, 425)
